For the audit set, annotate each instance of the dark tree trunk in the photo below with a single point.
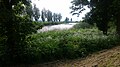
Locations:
(11, 43)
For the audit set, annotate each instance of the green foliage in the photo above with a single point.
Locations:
(82, 25)
(67, 20)
(36, 13)
(43, 12)
(17, 45)
(78, 6)
(37, 25)
(66, 44)
(57, 17)
(15, 25)
(51, 17)
(102, 11)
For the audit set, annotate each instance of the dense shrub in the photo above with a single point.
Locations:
(38, 25)
(82, 25)
(67, 44)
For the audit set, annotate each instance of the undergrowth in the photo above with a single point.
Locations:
(67, 44)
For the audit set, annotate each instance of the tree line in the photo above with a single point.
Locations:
(46, 14)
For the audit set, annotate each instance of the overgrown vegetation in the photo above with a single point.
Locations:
(19, 42)
(101, 12)
(82, 25)
(15, 25)
(66, 44)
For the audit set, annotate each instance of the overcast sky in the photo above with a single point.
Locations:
(58, 6)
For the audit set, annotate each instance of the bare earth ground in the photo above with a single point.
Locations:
(104, 58)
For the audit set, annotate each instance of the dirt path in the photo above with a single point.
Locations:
(105, 58)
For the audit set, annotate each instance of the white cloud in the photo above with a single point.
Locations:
(58, 6)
